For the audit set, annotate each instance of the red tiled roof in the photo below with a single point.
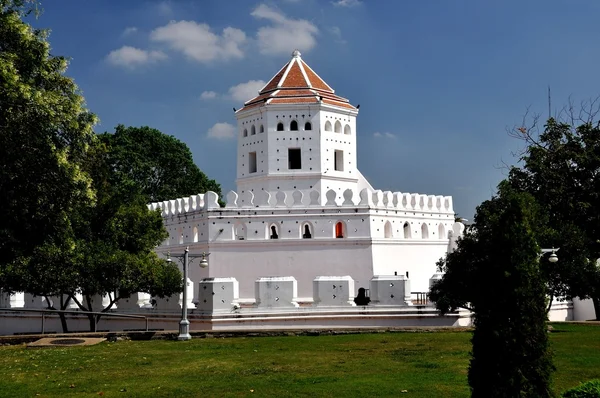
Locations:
(296, 83)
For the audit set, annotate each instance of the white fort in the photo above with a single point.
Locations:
(302, 208)
(304, 235)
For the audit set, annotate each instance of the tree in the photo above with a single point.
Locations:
(561, 169)
(160, 165)
(495, 272)
(112, 254)
(45, 132)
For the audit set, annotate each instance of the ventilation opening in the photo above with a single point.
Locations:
(294, 125)
(294, 158)
(280, 126)
(338, 158)
(252, 162)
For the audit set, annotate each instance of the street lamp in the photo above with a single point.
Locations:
(184, 324)
(553, 258)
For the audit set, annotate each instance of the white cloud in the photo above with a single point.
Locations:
(246, 91)
(221, 131)
(386, 135)
(337, 32)
(164, 8)
(130, 57)
(208, 95)
(285, 34)
(129, 31)
(197, 41)
(346, 3)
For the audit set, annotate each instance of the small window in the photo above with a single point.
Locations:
(338, 158)
(294, 159)
(252, 162)
(338, 127)
(424, 231)
(307, 126)
(406, 230)
(328, 126)
(294, 125)
(253, 131)
(279, 126)
(347, 129)
(262, 128)
(387, 230)
(306, 233)
(339, 230)
(245, 132)
(240, 232)
(274, 234)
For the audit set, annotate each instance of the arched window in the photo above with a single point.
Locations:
(306, 231)
(424, 231)
(239, 232)
(245, 132)
(307, 126)
(406, 230)
(180, 235)
(262, 128)
(253, 131)
(441, 231)
(347, 129)
(294, 125)
(273, 233)
(328, 126)
(195, 234)
(279, 126)
(340, 230)
(338, 127)
(387, 230)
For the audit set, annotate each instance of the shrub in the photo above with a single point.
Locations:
(590, 389)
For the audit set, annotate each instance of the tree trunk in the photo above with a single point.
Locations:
(596, 301)
(63, 319)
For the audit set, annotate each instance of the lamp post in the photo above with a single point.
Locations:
(553, 258)
(184, 324)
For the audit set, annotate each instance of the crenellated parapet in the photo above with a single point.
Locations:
(286, 199)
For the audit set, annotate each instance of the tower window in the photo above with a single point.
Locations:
(307, 126)
(306, 234)
(294, 125)
(338, 158)
(252, 162)
(262, 128)
(245, 132)
(279, 126)
(294, 158)
(339, 230)
(253, 131)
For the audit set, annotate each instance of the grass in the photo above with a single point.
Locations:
(380, 364)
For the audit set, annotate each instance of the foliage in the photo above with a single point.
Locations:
(45, 133)
(160, 165)
(72, 221)
(590, 389)
(560, 169)
(494, 271)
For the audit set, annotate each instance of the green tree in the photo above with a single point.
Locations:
(560, 168)
(45, 132)
(160, 165)
(495, 272)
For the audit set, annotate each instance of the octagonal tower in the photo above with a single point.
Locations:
(297, 134)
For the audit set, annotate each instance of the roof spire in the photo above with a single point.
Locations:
(296, 54)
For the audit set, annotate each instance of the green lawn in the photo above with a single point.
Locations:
(380, 364)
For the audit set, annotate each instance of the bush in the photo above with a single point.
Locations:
(590, 389)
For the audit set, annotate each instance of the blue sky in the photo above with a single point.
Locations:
(438, 82)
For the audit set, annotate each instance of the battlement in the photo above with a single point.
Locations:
(287, 199)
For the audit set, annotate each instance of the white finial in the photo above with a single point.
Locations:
(296, 54)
